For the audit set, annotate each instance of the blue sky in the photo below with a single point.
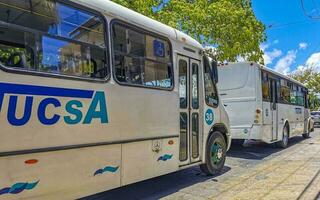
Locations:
(293, 39)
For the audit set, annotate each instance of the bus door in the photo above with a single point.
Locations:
(274, 108)
(189, 74)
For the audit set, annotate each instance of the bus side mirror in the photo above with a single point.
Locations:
(214, 71)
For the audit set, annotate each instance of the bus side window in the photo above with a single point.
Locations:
(16, 49)
(300, 97)
(293, 94)
(51, 37)
(285, 91)
(140, 58)
(306, 99)
(265, 87)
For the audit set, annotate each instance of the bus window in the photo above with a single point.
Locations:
(300, 97)
(195, 135)
(265, 87)
(211, 95)
(45, 36)
(183, 87)
(183, 155)
(285, 91)
(293, 94)
(141, 59)
(195, 86)
(306, 98)
(17, 50)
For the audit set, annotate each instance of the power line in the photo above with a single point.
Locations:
(272, 26)
(315, 4)
(305, 11)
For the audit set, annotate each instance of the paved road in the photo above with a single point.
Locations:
(259, 171)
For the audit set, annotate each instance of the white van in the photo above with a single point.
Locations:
(263, 104)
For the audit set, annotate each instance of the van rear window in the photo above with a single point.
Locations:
(233, 77)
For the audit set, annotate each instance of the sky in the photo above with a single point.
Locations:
(293, 33)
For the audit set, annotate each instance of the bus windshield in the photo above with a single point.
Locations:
(50, 37)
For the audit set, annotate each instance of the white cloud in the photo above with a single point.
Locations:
(303, 45)
(269, 56)
(314, 61)
(264, 47)
(283, 65)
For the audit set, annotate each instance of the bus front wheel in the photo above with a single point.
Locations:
(215, 154)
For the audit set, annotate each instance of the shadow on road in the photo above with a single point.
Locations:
(158, 187)
(258, 150)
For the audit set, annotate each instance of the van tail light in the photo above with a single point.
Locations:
(258, 114)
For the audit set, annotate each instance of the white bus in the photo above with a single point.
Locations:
(263, 104)
(95, 96)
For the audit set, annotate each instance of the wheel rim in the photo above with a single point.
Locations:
(216, 153)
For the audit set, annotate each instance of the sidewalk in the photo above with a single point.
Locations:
(293, 175)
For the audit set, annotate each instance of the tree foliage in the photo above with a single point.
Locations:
(310, 77)
(228, 25)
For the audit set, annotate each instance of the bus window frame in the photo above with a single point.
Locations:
(141, 30)
(63, 76)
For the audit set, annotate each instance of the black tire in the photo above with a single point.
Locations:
(312, 129)
(216, 150)
(306, 135)
(285, 138)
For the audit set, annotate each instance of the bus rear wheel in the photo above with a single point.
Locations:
(215, 154)
(285, 138)
(306, 135)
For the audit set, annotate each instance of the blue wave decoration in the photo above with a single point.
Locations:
(18, 187)
(105, 170)
(165, 157)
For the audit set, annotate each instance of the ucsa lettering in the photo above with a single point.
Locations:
(74, 108)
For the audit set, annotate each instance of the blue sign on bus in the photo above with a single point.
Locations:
(158, 48)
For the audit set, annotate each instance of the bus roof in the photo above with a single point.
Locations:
(269, 70)
(112, 9)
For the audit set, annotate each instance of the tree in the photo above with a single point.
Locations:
(228, 25)
(310, 77)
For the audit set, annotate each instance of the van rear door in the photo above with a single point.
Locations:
(237, 86)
